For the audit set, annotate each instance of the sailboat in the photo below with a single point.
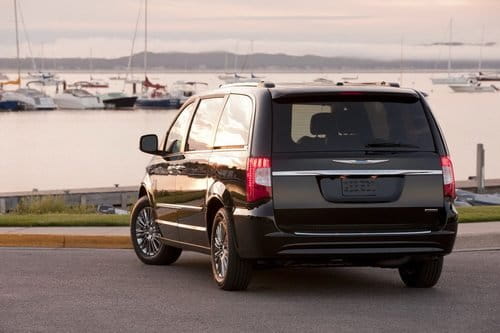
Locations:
(33, 99)
(473, 86)
(118, 77)
(235, 77)
(450, 79)
(185, 89)
(46, 77)
(93, 82)
(159, 97)
(78, 99)
(481, 75)
(11, 101)
(484, 76)
(24, 99)
(18, 80)
(8, 103)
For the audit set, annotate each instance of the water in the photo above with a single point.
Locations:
(65, 149)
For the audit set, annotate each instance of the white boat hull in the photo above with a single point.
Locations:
(473, 89)
(66, 101)
(13, 96)
(451, 80)
(44, 103)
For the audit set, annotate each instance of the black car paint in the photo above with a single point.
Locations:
(258, 235)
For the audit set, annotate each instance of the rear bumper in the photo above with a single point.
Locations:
(258, 238)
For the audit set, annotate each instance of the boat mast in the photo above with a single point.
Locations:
(480, 64)
(236, 57)
(145, 38)
(449, 46)
(130, 68)
(225, 61)
(91, 65)
(17, 46)
(250, 58)
(401, 63)
(42, 60)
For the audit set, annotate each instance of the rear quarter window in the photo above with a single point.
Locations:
(351, 125)
(234, 125)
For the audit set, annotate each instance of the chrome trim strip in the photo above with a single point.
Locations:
(184, 243)
(176, 206)
(395, 233)
(181, 225)
(360, 161)
(384, 172)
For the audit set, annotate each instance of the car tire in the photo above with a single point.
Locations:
(422, 273)
(145, 233)
(229, 271)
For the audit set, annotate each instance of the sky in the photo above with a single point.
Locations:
(354, 28)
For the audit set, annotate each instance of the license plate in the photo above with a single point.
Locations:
(358, 187)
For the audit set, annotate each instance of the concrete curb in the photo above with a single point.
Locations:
(470, 236)
(477, 241)
(66, 241)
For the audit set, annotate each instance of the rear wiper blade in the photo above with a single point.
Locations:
(390, 144)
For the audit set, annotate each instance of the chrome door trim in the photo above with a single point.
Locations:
(184, 243)
(176, 206)
(394, 233)
(360, 161)
(384, 172)
(181, 225)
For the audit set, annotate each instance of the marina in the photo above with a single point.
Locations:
(70, 148)
(87, 120)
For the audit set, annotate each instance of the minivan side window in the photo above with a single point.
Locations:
(234, 125)
(178, 130)
(204, 123)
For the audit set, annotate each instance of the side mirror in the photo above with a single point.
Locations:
(149, 144)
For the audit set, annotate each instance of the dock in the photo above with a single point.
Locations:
(118, 196)
(491, 185)
(125, 196)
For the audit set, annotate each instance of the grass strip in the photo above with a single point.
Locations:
(467, 214)
(479, 214)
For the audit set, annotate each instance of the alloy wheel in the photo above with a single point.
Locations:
(221, 250)
(147, 232)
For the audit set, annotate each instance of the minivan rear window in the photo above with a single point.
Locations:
(351, 125)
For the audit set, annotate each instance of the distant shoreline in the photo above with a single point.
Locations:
(139, 72)
(181, 62)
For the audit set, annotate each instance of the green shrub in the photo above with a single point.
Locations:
(50, 204)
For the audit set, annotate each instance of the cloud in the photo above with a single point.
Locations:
(371, 28)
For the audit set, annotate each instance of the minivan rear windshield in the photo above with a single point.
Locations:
(351, 124)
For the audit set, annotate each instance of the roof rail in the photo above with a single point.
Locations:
(261, 84)
(375, 83)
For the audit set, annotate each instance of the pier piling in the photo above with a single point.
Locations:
(480, 168)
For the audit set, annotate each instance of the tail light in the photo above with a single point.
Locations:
(448, 177)
(258, 178)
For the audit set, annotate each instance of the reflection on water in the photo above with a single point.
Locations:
(76, 149)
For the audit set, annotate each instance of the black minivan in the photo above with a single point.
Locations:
(341, 175)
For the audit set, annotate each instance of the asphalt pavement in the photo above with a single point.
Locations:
(92, 290)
